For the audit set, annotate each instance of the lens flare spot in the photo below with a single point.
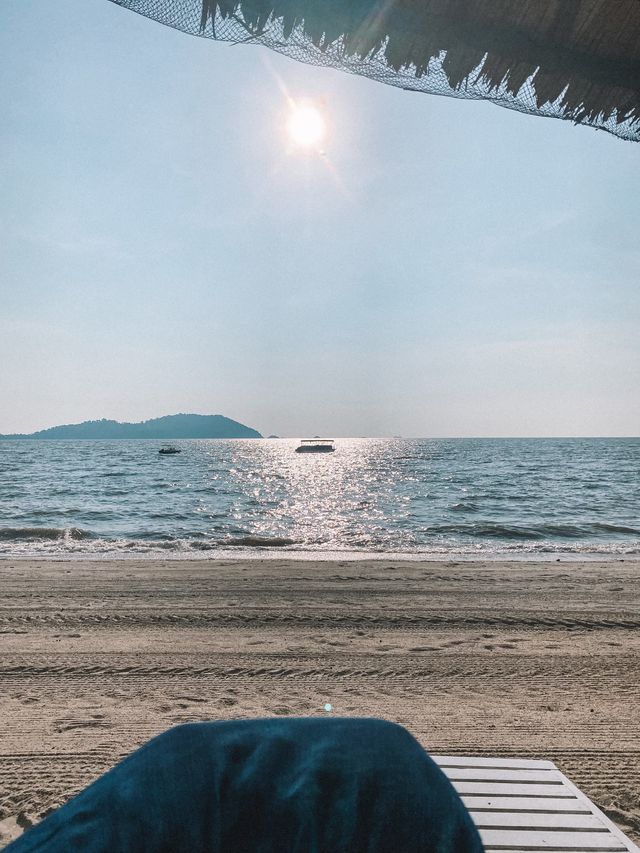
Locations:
(306, 126)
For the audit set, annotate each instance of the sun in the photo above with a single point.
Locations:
(306, 126)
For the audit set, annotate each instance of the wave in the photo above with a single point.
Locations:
(258, 542)
(484, 538)
(464, 506)
(616, 528)
(495, 530)
(31, 534)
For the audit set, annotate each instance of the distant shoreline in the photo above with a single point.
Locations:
(34, 437)
(134, 438)
(180, 427)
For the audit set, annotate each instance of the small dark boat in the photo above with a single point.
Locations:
(169, 450)
(316, 445)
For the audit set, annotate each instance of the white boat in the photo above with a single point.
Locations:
(316, 445)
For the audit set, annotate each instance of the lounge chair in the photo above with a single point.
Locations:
(522, 804)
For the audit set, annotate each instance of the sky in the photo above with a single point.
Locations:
(447, 268)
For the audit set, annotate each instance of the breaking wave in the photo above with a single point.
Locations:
(43, 534)
(494, 530)
(260, 542)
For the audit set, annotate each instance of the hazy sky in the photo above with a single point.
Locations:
(449, 268)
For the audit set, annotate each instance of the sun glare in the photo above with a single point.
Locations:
(306, 126)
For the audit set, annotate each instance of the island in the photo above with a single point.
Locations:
(168, 427)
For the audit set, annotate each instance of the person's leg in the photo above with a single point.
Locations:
(311, 785)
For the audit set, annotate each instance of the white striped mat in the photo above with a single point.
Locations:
(525, 805)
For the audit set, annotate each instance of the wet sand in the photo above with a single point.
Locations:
(501, 659)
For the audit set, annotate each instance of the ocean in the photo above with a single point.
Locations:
(439, 498)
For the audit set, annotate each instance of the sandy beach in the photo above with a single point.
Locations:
(535, 660)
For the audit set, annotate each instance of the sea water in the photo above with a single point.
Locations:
(488, 498)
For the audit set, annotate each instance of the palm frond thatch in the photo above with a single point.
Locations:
(572, 59)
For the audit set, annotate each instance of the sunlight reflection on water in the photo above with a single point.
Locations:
(437, 496)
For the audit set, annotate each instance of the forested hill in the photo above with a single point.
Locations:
(168, 427)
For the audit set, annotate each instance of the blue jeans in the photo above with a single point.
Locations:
(309, 785)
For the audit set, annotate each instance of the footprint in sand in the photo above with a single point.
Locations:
(189, 698)
(24, 821)
(96, 721)
(9, 829)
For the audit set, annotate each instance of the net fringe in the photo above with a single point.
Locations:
(346, 36)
